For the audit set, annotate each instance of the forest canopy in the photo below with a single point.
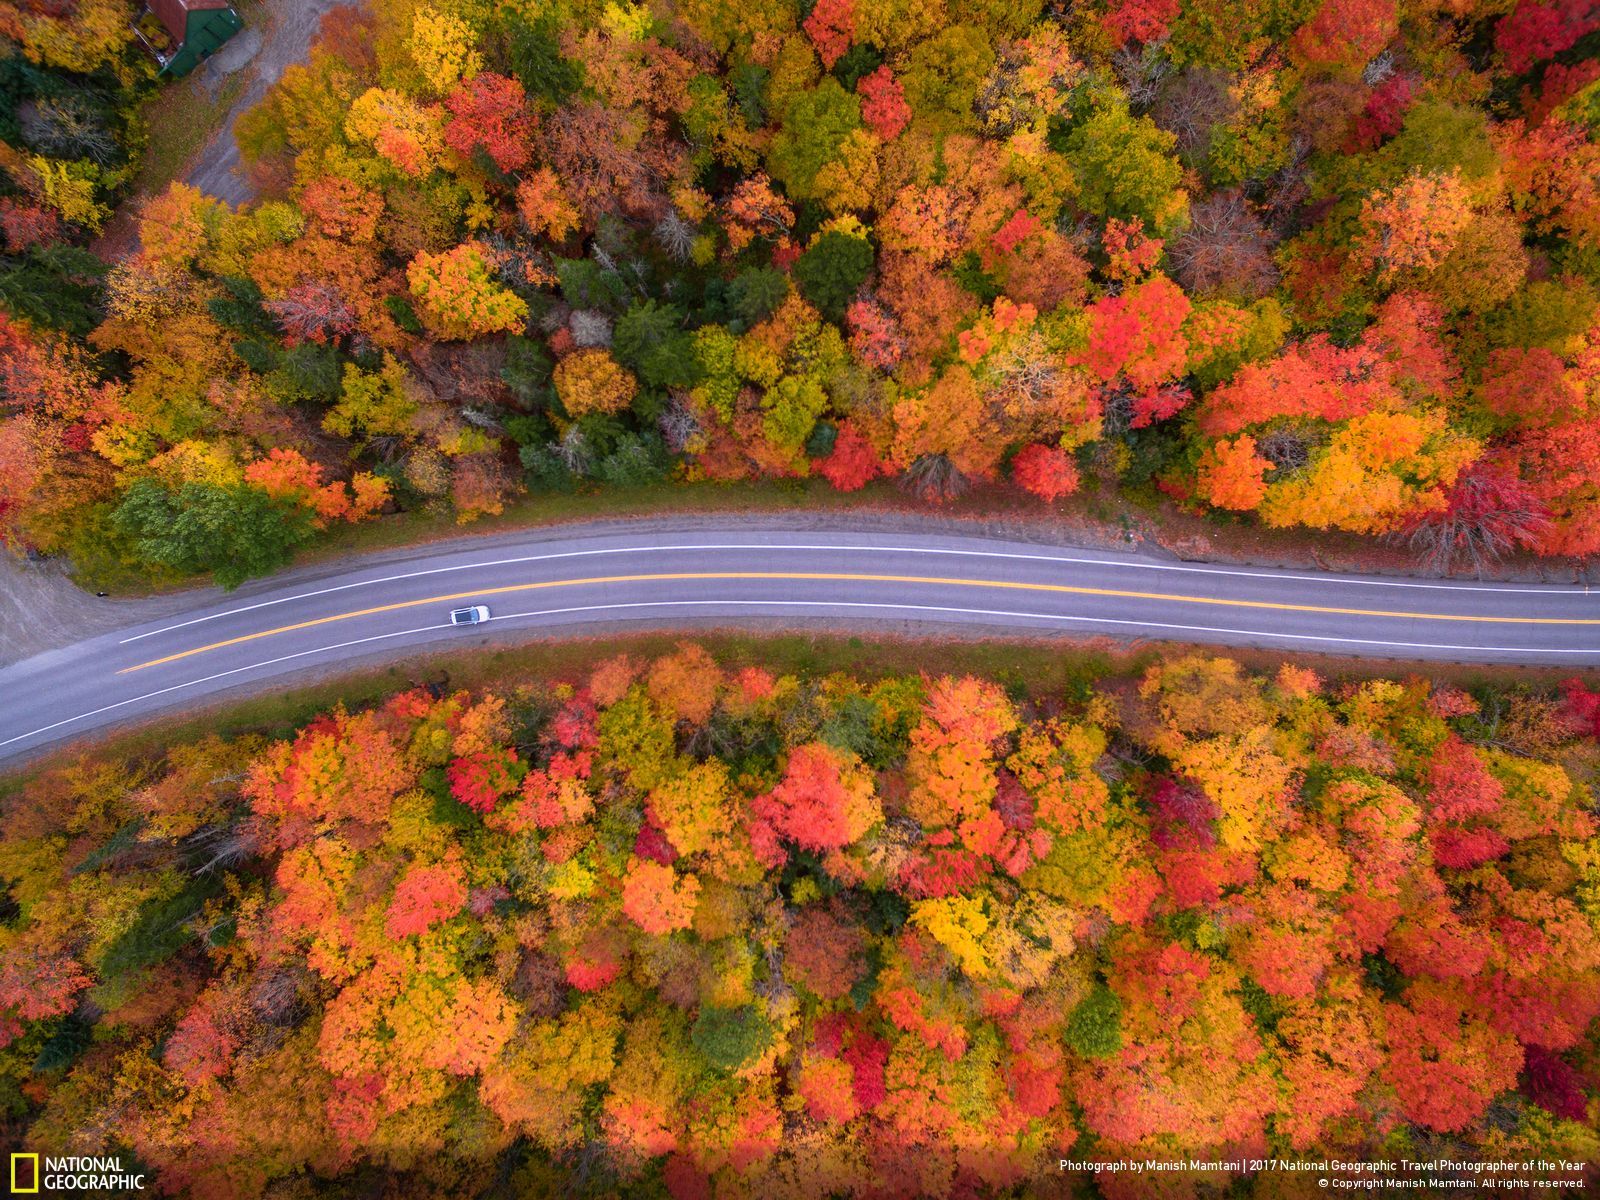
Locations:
(1322, 264)
(678, 927)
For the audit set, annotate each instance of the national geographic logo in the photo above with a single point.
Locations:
(32, 1174)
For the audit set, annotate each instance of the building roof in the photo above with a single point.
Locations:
(174, 14)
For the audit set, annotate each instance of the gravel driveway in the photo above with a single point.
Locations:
(41, 608)
(264, 49)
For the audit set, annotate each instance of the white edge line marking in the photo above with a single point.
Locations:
(818, 604)
(178, 687)
(1069, 560)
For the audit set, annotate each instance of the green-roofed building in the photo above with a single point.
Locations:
(182, 34)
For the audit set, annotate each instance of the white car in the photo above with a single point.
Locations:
(475, 615)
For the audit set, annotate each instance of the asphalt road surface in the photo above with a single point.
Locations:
(254, 640)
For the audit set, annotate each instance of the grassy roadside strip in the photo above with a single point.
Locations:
(412, 528)
(1025, 667)
(1108, 519)
(420, 527)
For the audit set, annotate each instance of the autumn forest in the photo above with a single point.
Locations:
(676, 927)
(695, 924)
(1314, 264)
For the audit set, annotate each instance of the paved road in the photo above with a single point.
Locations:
(651, 576)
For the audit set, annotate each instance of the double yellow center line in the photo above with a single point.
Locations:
(821, 576)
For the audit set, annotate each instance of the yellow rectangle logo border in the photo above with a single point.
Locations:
(22, 1191)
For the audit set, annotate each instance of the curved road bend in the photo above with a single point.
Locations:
(664, 578)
